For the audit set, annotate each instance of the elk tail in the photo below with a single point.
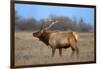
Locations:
(75, 35)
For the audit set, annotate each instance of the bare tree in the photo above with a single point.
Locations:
(64, 23)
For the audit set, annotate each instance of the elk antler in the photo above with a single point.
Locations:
(55, 22)
(41, 26)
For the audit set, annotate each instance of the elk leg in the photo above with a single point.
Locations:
(53, 51)
(73, 51)
(74, 47)
(60, 51)
(77, 52)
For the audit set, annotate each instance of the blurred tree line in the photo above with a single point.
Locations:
(65, 23)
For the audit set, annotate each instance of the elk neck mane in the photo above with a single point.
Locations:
(45, 37)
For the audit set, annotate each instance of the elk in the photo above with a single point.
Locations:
(58, 40)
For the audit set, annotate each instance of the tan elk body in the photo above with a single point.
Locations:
(58, 40)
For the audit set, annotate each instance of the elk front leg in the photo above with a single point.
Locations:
(53, 51)
(60, 51)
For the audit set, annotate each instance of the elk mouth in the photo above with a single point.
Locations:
(34, 35)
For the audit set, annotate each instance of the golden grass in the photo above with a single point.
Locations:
(30, 51)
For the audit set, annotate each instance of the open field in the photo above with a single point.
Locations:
(30, 51)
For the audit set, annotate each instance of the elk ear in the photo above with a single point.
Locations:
(41, 31)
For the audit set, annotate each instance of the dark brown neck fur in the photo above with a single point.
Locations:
(45, 37)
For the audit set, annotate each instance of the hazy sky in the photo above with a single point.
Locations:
(43, 11)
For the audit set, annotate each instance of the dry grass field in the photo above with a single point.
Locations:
(30, 51)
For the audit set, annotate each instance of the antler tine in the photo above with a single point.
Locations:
(52, 24)
(41, 26)
(46, 19)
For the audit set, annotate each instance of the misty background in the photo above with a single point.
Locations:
(31, 17)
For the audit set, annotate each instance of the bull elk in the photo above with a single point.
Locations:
(58, 40)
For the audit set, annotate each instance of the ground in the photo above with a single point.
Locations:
(31, 51)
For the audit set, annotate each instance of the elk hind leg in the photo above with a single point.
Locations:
(73, 51)
(77, 51)
(74, 47)
(60, 51)
(53, 51)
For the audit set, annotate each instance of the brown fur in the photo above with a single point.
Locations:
(58, 40)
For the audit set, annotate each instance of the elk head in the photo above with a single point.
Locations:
(38, 33)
